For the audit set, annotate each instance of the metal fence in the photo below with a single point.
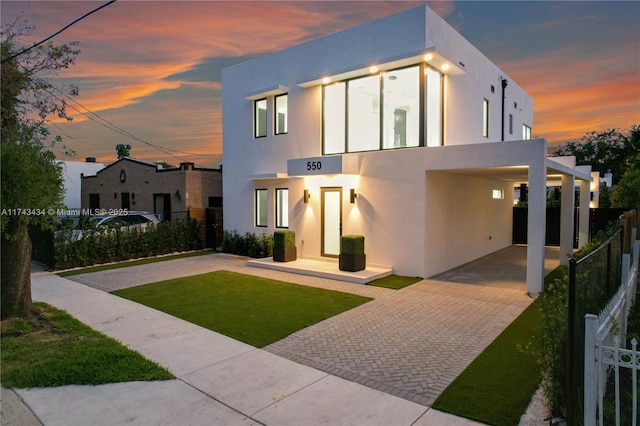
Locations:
(593, 280)
(605, 354)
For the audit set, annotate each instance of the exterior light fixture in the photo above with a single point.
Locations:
(373, 69)
(326, 80)
(445, 67)
(428, 57)
(306, 196)
(352, 195)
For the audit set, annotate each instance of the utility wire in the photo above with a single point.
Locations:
(95, 117)
(56, 33)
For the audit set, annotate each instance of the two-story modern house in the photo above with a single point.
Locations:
(399, 130)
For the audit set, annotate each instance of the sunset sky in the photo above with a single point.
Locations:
(151, 70)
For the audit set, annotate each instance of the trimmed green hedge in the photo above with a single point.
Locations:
(110, 245)
(352, 244)
(249, 244)
(284, 239)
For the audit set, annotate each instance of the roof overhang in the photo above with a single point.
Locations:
(278, 89)
(428, 56)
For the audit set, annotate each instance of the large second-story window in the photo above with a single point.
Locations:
(401, 110)
(282, 114)
(526, 132)
(334, 115)
(363, 111)
(391, 109)
(260, 118)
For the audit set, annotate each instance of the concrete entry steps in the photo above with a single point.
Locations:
(323, 269)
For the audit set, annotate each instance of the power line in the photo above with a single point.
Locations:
(57, 32)
(96, 118)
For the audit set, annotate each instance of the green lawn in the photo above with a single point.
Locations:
(254, 310)
(497, 386)
(126, 263)
(395, 282)
(59, 350)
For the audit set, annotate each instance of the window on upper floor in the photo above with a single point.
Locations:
(260, 118)
(281, 115)
(510, 124)
(261, 207)
(387, 110)
(485, 118)
(282, 207)
(526, 132)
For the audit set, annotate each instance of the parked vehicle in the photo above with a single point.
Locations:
(122, 221)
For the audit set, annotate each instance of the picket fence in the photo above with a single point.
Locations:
(604, 340)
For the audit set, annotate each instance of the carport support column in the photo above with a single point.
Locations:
(583, 220)
(567, 208)
(536, 224)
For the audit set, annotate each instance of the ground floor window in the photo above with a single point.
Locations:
(282, 208)
(261, 207)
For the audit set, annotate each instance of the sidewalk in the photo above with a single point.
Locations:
(218, 380)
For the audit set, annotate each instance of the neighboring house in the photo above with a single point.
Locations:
(142, 186)
(72, 172)
(399, 130)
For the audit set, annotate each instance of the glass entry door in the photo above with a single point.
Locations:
(331, 221)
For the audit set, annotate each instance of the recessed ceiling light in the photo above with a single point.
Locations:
(325, 80)
(445, 67)
(428, 57)
(373, 69)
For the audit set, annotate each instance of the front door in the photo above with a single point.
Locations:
(331, 221)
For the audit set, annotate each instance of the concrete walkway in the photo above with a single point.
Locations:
(219, 380)
(405, 347)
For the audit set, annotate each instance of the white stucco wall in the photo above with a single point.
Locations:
(414, 221)
(71, 173)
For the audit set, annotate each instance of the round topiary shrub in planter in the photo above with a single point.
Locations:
(352, 257)
(284, 246)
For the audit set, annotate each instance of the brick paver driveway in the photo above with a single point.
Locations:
(411, 342)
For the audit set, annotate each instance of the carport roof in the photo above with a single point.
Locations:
(507, 161)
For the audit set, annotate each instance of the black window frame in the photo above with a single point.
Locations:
(256, 121)
(276, 116)
(266, 209)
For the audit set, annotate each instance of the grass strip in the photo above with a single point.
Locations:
(496, 388)
(254, 310)
(58, 350)
(137, 262)
(395, 282)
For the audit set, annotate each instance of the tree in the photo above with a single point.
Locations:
(609, 150)
(165, 164)
(123, 150)
(31, 180)
(626, 193)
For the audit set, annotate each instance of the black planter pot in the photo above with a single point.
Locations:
(284, 254)
(352, 262)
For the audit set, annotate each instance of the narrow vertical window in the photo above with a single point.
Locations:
(282, 208)
(334, 124)
(260, 119)
(510, 124)
(281, 116)
(526, 132)
(485, 118)
(261, 207)
(434, 107)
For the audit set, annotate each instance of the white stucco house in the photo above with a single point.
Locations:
(72, 172)
(399, 130)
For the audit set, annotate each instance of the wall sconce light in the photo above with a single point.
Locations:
(306, 196)
(352, 195)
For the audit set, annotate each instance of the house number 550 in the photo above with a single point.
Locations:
(314, 165)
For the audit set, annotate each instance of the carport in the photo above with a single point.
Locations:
(513, 162)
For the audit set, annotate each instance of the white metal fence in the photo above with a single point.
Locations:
(605, 338)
